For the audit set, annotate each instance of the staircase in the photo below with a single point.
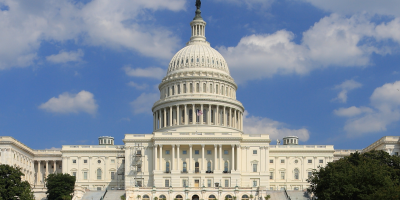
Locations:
(114, 194)
(298, 195)
(93, 195)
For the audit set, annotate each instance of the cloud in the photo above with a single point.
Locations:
(64, 57)
(112, 24)
(334, 41)
(138, 86)
(71, 103)
(345, 87)
(143, 104)
(384, 110)
(150, 72)
(251, 4)
(275, 129)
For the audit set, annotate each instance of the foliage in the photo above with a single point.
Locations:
(11, 185)
(251, 196)
(372, 175)
(155, 198)
(123, 197)
(60, 186)
(138, 196)
(267, 197)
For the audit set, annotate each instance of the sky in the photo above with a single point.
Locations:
(325, 71)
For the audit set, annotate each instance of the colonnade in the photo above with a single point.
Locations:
(198, 29)
(217, 162)
(40, 176)
(196, 86)
(187, 114)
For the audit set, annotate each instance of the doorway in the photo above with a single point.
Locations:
(195, 197)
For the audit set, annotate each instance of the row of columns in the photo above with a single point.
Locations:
(39, 174)
(218, 161)
(172, 116)
(198, 30)
(198, 87)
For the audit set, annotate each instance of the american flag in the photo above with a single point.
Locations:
(199, 112)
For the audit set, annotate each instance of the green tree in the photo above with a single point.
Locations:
(11, 186)
(367, 176)
(60, 186)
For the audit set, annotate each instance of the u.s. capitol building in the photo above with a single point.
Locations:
(197, 150)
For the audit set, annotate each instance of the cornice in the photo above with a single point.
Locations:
(163, 103)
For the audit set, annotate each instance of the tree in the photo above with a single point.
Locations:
(367, 176)
(11, 186)
(60, 186)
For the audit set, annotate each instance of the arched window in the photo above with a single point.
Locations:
(216, 89)
(178, 197)
(183, 116)
(245, 197)
(168, 92)
(204, 88)
(98, 174)
(226, 166)
(209, 166)
(296, 174)
(212, 116)
(173, 90)
(204, 115)
(222, 90)
(228, 197)
(179, 88)
(191, 88)
(190, 115)
(211, 88)
(146, 197)
(211, 197)
(167, 167)
(197, 87)
(163, 197)
(196, 167)
(184, 88)
(184, 169)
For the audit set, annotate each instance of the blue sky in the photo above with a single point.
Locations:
(327, 71)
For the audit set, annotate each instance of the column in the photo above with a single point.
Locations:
(262, 164)
(220, 157)
(234, 119)
(209, 115)
(202, 157)
(38, 174)
(173, 157)
(170, 116)
(193, 114)
(177, 155)
(165, 118)
(178, 119)
(202, 116)
(239, 158)
(215, 157)
(161, 161)
(159, 118)
(155, 157)
(186, 115)
(190, 158)
(233, 157)
(47, 168)
(55, 166)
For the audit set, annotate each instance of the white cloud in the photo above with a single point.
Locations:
(71, 103)
(385, 102)
(251, 4)
(344, 88)
(334, 41)
(150, 72)
(64, 57)
(275, 129)
(144, 102)
(114, 24)
(138, 86)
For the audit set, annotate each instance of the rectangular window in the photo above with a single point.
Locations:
(112, 161)
(166, 182)
(226, 182)
(209, 183)
(184, 88)
(196, 152)
(396, 153)
(139, 168)
(309, 174)
(85, 161)
(282, 161)
(74, 161)
(184, 152)
(226, 152)
(112, 175)
(254, 167)
(271, 175)
(282, 175)
(254, 183)
(139, 183)
(184, 183)
(254, 151)
(309, 161)
(271, 161)
(84, 175)
(123, 161)
(74, 174)
(321, 161)
(166, 151)
(208, 152)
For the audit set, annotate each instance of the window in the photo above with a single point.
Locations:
(282, 175)
(74, 174)
(309, 161)
(254, 167)
(139, 168)
(296, 161)
(321, 161)
(191, 88)
(271, 175)
(184, 152)
(179, 89)
(184, 183)
(112, 161)
(145, 197)
(74, 161)
(309, 174)
(162, 197)
(184, 167)
(173, 90)
(84, 175)
(271, 161)
(396, 153)
(254, 151)
(296, 174)
(166, 151)
(184, 88)
(226, 182)
(190, 115)
(208, 152)
(226, 152)
(139, 184)
(254, 183)
(166, 183)
(245, 197)
(85, 161)
(282, 161)
(209, 166)
(196, 152)
(209, 183)
(196, 167)
(99, 161)
(228, 197)
(226, 166)
(167, 167)
(204, 87)
(197, 87)
(112, 175)
(98, 174)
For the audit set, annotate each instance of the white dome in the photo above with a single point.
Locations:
(197, 55)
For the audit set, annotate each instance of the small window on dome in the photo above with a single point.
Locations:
(197, 59)
(187, 60)
(192, 60)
